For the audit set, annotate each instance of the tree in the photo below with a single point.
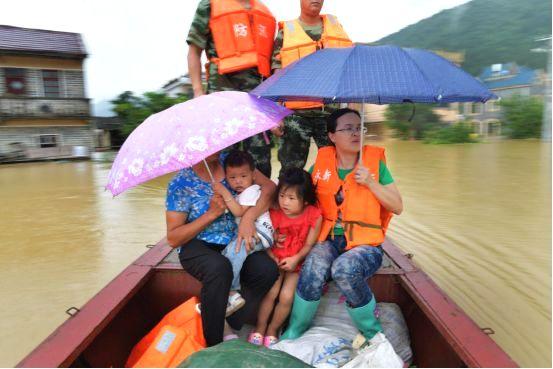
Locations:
(460, 132)
(133, 110)
(424, 119)
(487, 31)
(523, 116)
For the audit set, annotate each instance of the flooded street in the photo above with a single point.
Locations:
(477, 219)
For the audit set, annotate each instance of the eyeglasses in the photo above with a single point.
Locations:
(353, 130)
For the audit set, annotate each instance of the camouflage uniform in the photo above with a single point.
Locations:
(245, 80)
(304, 123)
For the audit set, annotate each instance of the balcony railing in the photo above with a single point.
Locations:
(43, 107)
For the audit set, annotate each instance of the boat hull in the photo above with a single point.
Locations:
(103, 332)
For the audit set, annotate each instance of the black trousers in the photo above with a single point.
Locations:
(204, 262)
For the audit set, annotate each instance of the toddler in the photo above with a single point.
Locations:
(297, 223)
(239, 172)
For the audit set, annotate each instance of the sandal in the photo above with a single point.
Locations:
(269, 340)
(256, 338)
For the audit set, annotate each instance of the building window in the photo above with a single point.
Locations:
(51, 83)
(473, 108)
(492, 105)
(15, 80)
(48, 140)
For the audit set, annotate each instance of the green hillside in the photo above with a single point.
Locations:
(488, 31)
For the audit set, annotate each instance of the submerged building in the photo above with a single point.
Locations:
(44, 110)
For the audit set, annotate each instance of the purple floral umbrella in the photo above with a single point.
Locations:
(187, 133)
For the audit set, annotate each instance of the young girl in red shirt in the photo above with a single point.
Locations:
(297, 223)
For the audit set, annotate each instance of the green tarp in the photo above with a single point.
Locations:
(241, 354)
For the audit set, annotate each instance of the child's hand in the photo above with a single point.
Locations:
(279, 239)
(220, 189)
(289, 264)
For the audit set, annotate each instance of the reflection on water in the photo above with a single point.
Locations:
(477, 218)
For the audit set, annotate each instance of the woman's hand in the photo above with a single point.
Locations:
(217, 206)
(289, 264)
(198, 91)
(278, 130)
(364, 176)
(247, 233)
(388, 195)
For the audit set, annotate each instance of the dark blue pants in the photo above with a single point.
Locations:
(204, 262)
(349, 269)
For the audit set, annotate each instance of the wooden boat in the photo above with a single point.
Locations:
(103, 332)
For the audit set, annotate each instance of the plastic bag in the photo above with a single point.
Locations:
(328, 343)
(378, 354)
(320, 347)
(395, 329)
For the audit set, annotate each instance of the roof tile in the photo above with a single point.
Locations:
(38, 40)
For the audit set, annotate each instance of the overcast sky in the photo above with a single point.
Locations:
(140, 45)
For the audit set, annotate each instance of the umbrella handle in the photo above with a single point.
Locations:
(208, 171)
(212, 179)
(361, 135)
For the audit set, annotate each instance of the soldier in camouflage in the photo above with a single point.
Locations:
(304, 123)
(199, 39)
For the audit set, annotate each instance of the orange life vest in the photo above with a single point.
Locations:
(365, 221)
(296, 44)
(243, 37)
(178, 335)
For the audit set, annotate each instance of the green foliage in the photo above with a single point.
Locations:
(397, 118)
(455, 133)
(523, 116)
(489, 31)
(133, 110)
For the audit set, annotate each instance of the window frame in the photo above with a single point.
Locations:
(48, 83)
(17, 75)
(56, 140)
(492, 106)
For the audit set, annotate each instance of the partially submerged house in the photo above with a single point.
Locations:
(44, 111)
(504, 80)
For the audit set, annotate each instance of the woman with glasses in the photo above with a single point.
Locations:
(357, 201)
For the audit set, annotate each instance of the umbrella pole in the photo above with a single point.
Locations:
(208, 170)
(361, 134)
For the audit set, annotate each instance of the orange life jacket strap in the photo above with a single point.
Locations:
(361, 224)
(348, 227)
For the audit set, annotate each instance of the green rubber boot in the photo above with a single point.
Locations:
(302, 314)
(364, 319)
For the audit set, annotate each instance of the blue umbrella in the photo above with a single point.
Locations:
(374, 75)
